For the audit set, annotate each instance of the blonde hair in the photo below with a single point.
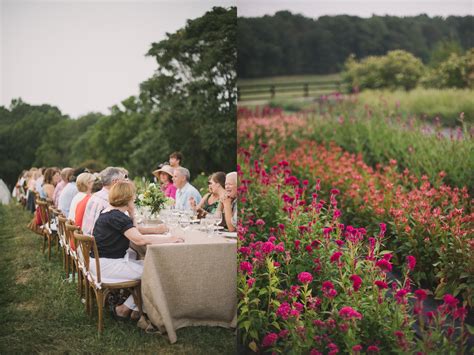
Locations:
(121, 193)
(83, 180)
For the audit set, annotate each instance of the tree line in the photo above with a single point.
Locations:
(188, 105)
(291, 44)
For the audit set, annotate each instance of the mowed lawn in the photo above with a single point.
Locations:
(40, 312)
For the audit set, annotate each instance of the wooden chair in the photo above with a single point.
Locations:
(85, 244)
(73, 257)
(45, 226)
(64, 243)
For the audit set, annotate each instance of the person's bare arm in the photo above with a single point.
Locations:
(134, 235)
(227, 202)
(159, 229)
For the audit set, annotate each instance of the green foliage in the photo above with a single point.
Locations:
(397, 69)
(22, 128)
(455, 72)
(291, 44)
(446, 104)
(442, 51)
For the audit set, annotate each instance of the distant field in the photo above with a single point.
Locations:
(289, 78)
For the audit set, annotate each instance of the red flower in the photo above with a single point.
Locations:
(421, 295)
(284, 310)
(269, 340)
(260, 222)
(250, 282)
(335, 192)
(381, 284)
(305, 277)
(373, 349)
(384, 265)
(349, 313)
(246, 267)
(357, 348)
(411, 261)
(336, 256)
(356, 282)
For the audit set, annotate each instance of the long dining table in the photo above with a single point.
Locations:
(191, 283)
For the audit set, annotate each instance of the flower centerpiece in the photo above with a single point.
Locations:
(152, 197)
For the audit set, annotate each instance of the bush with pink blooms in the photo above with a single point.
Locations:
(310, 284)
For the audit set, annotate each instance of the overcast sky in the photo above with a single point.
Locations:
(362, 8)
(84, 56)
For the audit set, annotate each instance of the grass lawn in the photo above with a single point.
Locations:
(40, 312)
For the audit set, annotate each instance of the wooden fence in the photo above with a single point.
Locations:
(247, 92)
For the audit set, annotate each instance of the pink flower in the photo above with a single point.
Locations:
(283, 333)
(284, 310)
(250, 282)
(268, 247)
(328, 285)
(357, 348)
(280, 248)
(400, 296)
(384, 264)
(260, 222)
(411, 261)
(421, 295)
(335, 192)
(269, 340)
(349, 313)
(356, 282)
(315, 352)
(383, 229)
(373, 349)
(381, 284)
(245, 266)
(336, 256)
(305, 277)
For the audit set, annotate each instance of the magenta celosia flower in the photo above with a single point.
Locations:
(283, 333)
(383, 229)
(335, 257)
(388, 256)
(373, 349)
(356, 282)
(357, 348)
(384, 265)
(411, 261)
(245, 266)
(305, 277)
(269, 340)
(327, 285)
(331, 293)
(284, 310)
(281, 226)
(421, 294)
(260, 222)
(315, 352)
(297, 244)
(400, 296)
(335, 192)
(280, 248)
(244, 250)
(349, 313)
(267, 247)
(381, 284)
(450, 300)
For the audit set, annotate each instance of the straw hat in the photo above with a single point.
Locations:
(165, 169)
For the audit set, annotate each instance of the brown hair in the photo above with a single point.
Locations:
(178, 156)
(49, 174)
(121, 193)
(218, 177)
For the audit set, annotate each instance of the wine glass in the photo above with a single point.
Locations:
(215, 219)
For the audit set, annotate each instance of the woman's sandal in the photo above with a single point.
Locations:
(113, 311)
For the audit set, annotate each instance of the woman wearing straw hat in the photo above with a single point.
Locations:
(165, 176)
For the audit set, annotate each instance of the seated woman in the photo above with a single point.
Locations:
(113, 232)
(165, 176)
(51, 178)
(84, 183)
(210, 201)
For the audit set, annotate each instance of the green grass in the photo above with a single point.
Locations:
(42, 313)
(447, 104)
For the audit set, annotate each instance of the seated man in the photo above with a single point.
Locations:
(185, 190)
(100, 201)
(229, 202)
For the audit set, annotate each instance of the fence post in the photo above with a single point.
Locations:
(306, 90)
(272, 91)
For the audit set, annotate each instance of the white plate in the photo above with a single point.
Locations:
(228, 234)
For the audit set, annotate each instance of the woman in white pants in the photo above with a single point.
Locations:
(113, 232)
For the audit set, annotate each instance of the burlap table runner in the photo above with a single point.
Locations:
(191, 284)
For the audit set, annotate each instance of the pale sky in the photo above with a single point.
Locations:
(362, 8)
(84, 56)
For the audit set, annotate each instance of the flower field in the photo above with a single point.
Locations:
(336, 255)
